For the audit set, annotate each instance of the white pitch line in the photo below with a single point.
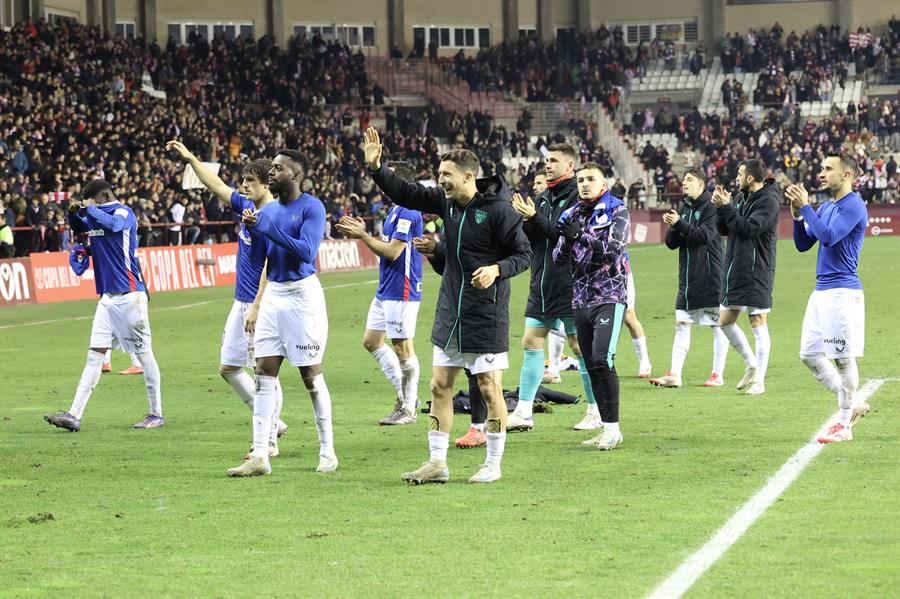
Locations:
(690, 571)
(170, 308)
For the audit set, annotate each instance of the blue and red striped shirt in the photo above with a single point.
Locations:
(401, 279)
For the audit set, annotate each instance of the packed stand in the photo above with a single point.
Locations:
(73, 109)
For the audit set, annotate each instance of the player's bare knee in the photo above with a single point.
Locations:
(371, 344)
(403, 348)
(225, 370)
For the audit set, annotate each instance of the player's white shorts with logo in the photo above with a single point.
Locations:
(751, 310)
(121, 320)
(476, 363)
(630, 293)
(237, 343)
(704, 316)
(292, 322)
(834, 324)
(396, 318)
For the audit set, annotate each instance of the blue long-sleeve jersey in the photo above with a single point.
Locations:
(112, 228)
(293, 232)
(251, 254)
(839, 227)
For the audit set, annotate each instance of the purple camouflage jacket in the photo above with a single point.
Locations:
(599, 275)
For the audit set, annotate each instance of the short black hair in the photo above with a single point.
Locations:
(95, 188)
(695, 173)
(464, 159)
(403, 169)
(756, 168)
(848, 163)
(259, 169)
(563, 148)
(297, 157)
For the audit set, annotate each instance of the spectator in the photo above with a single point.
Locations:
(7, 244)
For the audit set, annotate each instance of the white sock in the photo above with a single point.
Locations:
(390, 366)
(720, 350)
(593, 409)
(763, 346)
(680, 347)
(824, 371)
(438, 442)
(640, 350)
(556, 342)
(243, 385)
(410, 371)
(151, 381)
(134, 359)
(107, 357)
(612, 427)
(496, 442)
(276, 415)
(321, 401)
(849, 374)
(263, 408)
(739, 342)
(90, 376)
(478, 427)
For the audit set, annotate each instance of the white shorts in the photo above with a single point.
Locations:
(704, 316)
(396, 318)
(630, 293)
(237, 343)
(752, 311)
(834, 324)
(121, 321)
(476, 363)
(293, 322)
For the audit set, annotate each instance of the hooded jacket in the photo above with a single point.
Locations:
(550, 295)
(599, 268)
(486, 231)
(700, 254)
(751, 224)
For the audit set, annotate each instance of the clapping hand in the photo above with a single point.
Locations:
(720, 197)
(569, 229)
(524, 206)
(352, 226)
(425, 245)
(670, 218)
(798, 196)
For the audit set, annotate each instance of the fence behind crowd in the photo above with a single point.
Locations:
(46, 277)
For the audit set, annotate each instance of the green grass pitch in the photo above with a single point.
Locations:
(151, 513)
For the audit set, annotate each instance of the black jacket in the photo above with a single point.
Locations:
(487, 231)
(700, 252)
(550, 295)
(751, 224)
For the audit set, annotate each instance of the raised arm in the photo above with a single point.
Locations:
(408, 195)
(114, 222)
(211, 181)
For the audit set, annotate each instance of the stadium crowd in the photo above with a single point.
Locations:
(78, 104)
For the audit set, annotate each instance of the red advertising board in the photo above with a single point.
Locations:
(47, 277)
(16, 286)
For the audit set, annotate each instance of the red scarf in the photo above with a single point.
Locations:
(554, 183)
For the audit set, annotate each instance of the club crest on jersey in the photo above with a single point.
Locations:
(480, 216)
